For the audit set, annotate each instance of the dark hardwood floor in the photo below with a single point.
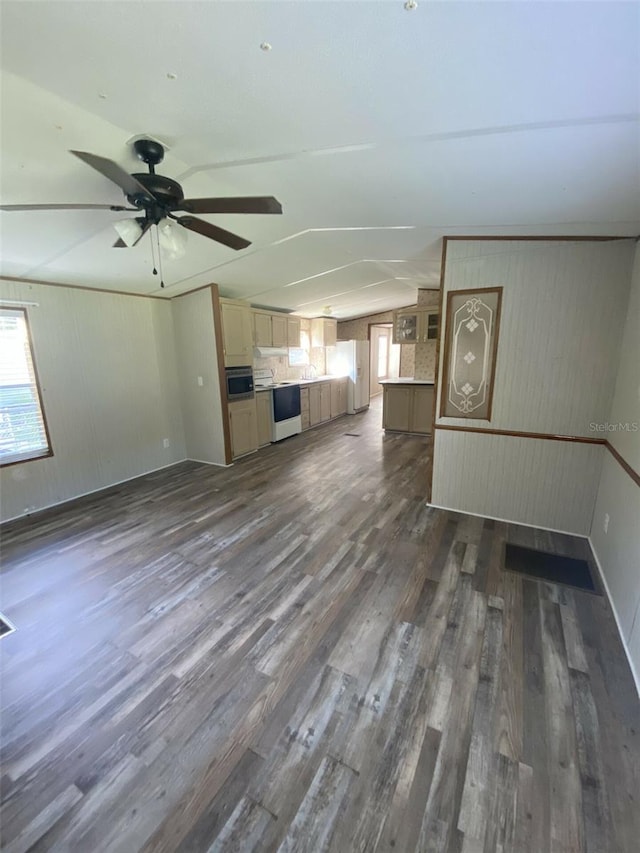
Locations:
(297, 654)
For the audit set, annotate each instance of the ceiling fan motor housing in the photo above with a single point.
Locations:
(166, 193)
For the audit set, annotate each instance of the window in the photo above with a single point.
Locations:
(23, 430)
(299, 356)
(383, 356)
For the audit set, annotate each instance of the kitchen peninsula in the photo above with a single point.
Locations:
(408, 405)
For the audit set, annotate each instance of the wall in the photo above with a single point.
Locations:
(425, 353)
(109, 387)
(196, 357)
(618, 550)
(358, 330)
(563, 311)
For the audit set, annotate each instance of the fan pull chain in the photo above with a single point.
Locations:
(153, 257)
(159, 256)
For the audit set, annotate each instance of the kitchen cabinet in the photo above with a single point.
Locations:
(304, 408)
(272, 330)
(237, 338)
(415, 325)
(325, 401)
(339, 397)
(324, 332)
(314, 405)
(264, 405)
(279, 330)
(262, 334)
(408, 408)
(243, 423)
(293, 331)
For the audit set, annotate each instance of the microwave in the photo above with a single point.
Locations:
(239, 383)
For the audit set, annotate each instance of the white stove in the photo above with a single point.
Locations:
(286, 419)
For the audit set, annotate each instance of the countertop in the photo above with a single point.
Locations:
(297, 382)
(407, 381)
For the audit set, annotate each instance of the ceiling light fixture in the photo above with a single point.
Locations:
(410, 5)
(265, 46)
(129, 230)
(172, 239)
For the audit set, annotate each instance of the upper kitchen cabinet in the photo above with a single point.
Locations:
(237, 337)
(293, 331)
(415, 326)
(272, 330)
(324, 332)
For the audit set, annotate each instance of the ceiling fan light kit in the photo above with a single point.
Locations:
(158, 198)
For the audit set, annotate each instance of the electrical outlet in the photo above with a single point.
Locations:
(605, 524)
(166, 442)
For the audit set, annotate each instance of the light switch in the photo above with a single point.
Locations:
(200, 381)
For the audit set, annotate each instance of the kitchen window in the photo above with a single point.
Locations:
(23, 428)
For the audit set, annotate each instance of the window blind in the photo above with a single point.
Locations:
(23, 433)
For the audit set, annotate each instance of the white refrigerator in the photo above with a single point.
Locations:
(351, 358)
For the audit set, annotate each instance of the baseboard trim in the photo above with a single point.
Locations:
(55, 504)
(605, 586)
(509, 521)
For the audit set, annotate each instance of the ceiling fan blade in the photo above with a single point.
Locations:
(240, 204)
(213, 232)
(115, 173)
(65, 207)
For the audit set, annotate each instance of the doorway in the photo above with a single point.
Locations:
(384, 355)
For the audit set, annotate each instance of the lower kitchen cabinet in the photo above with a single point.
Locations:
(408, 408)
(325, 401)
(304, 408)
(243, 424)
(264, 405)
(314, 405)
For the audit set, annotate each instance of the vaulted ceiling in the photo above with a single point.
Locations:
(379, 129)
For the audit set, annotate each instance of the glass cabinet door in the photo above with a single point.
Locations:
(405, 330)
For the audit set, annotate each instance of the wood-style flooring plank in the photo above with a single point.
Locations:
(297, 653)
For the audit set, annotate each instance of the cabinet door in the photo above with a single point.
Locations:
(314, 405)
(324, 332)
(279, 330)
(293, 332)
(397, 407)
(236, 334)
(431, 321)
(262, 329)
(325, 401)
(405, 327)
(335, 399)
(330, 333)
(342, 396)
(422, 409)
(263, 407)
(243, 422)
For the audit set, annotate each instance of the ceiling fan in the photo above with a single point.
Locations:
(158, 197)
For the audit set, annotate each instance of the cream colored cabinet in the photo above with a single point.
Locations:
(338, 397)
(324, 332)
(274, 330)
(264, 405)
(236, 333)
(262, 334)
(325, 401)
(408, 408)
(279, 330)
(304, 408)
(422, 409)
(293, 331)
(415, 326)
(243, 423)
(314, 405)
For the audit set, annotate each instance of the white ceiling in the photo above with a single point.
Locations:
(379, 129)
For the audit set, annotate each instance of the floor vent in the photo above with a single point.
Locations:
(554, 568)
(6, 627)
(353, 434)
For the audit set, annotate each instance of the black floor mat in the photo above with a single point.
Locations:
(549, 567)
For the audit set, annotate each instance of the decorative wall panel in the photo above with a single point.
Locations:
(473, 320)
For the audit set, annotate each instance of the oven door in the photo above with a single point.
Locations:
(286, 403)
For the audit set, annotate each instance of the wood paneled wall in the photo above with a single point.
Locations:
(563, 311)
